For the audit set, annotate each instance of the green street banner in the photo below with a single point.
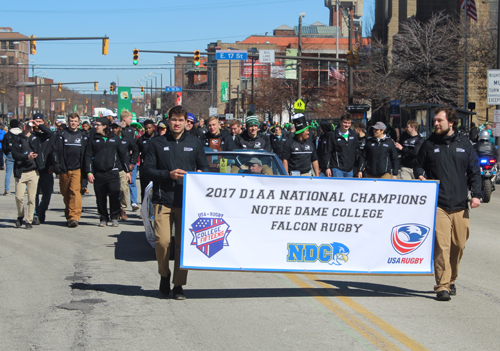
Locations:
(224, 92)
(124, 98)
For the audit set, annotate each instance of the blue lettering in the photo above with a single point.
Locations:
(311, 254)
(325, 253)
(295, 253)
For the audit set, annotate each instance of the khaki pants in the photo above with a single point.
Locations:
(124, 191)
(452, 232)
(406, 173)
(383, 176)
(28, 180)
(164, 217)
(71, 186)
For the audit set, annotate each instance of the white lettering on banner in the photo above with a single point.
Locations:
(269, 223)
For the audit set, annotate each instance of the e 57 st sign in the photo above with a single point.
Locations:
(494, 87)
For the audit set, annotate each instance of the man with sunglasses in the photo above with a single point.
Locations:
(190, 122)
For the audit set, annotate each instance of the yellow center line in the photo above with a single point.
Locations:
(389, 329)
(370, 334)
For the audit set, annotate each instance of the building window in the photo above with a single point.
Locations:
(11, 60)
(11, 45)
(4, 45)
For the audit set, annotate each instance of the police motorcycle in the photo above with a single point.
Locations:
(486, 152)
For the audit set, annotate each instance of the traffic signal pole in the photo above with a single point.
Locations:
(351, 71)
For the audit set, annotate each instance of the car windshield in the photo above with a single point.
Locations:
(244, 163)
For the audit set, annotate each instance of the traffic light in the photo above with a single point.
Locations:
(105, 46)
(86, 101)
(197, 58)
(142, 90)
(59, 86)
(136, 57)
(103, 101)
(95, 86)
(69, 101)
(350, 58)
(356, 56)
(33, 46)
(111, 88)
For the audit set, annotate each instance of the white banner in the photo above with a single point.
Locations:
(298, 224)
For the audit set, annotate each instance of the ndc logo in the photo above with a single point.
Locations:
(406, 238)
(334, 253)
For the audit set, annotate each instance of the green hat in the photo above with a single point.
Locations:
(252, 120)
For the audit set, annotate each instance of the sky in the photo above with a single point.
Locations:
(149, 25)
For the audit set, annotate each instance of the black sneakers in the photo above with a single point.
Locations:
(29, 226)
(165, 285)
(36, 221)
(19, 222)
(179, 293)
(73, 223)
(453, 290)
(443, 295)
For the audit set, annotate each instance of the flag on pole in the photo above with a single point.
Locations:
(332, 72)
(471, 8)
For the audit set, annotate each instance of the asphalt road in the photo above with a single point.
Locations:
(91, 288)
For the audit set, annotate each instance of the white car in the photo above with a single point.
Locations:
(61, 119)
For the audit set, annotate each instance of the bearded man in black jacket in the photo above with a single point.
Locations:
(450, 158)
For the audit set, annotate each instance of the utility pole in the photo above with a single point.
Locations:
(351, 71)
(230, 89)
(299, 62)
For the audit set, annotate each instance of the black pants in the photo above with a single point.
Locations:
(106, 185)
(45, 188)
(144, 182)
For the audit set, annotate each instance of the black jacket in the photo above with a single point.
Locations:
(69, 147)
(47, 139)
(299, 154)
(20, 149)
(410, 145)
(379, 157)
(278, 144)
(453, 161)
(142, 144)
(322, 149)
(341, 153)
(165, 154)
(131, 149)
(260, 142)
(226, 141)
(104, 154)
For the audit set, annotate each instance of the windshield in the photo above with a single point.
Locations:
(244, 163)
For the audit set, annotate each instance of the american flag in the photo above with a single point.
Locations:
(332, 72)
(471, 8)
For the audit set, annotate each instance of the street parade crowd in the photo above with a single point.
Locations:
(112, 153)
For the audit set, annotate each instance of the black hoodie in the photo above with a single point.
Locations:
(260, 142)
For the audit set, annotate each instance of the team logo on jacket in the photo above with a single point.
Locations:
(257, 145)
(407, 238)
(210, 233)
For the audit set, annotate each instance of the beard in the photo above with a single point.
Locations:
(443, 132)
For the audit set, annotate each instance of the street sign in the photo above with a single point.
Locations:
(212, 111)
(266, 56)
(167, 89)
(299, 106)
(496, 116)
(231, 55)
(395, 110)
(229, 116)
(493, 87)
(358, 108)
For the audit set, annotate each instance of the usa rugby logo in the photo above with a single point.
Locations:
(210, 235)
(407, 238)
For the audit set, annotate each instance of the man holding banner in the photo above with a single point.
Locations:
(449, 157)
(168, 158)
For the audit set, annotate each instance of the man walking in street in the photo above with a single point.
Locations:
(142, 145)
(409, 150)
(104, 157)
(68, 160)
(132, 151)
(46, 180)
(129, 132)
(299, 153)
(13, 132)
(343, 150)
(168, 158)
(26, 151)
(450, 158)
(380, 157)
